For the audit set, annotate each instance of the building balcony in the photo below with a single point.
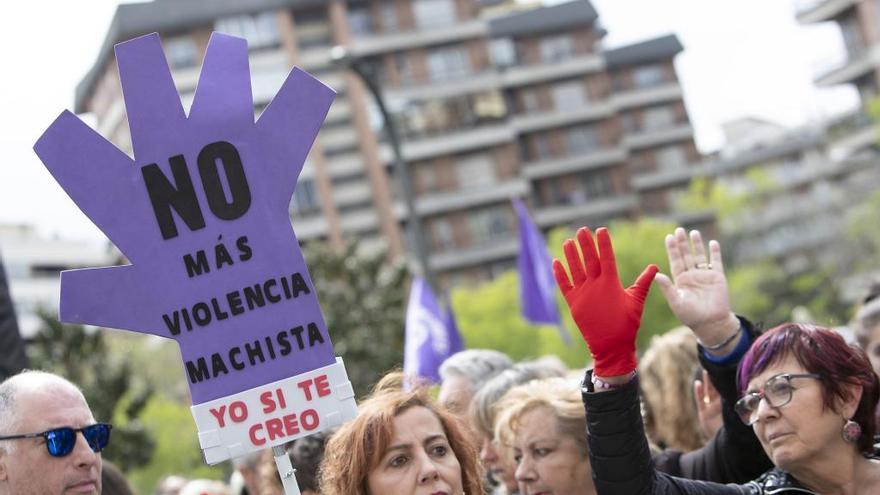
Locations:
(647, 96)
(575, 163)
(308, 227)
(522, 75)
(811, 11)
(340, 111)
(352, 192)
(666, 178)
(336, 138)
(852, 134)
(498, 249)
(314, 59)
(402, 40)
(469, 197)
(473, 83)
(530, 122)
(345, 165)
(652, 137)
(550, 216)
(361, 220)
(456, 142)
(849, 68)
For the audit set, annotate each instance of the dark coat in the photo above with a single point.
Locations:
(734, 454)
(622, 462)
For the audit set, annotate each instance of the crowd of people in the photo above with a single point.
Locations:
(713, 407)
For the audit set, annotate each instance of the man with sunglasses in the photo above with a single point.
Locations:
(50, 443)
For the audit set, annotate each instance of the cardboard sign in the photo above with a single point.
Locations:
(202, 214)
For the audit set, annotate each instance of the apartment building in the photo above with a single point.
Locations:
(493, 99)
(859, 22)
(33, 263)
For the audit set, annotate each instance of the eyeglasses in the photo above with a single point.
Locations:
(60, 441)
(777, 392)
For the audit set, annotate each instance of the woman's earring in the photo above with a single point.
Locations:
(851, 431)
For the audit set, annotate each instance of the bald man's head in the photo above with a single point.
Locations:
(34, 402)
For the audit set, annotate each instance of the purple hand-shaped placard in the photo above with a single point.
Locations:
(202, 214)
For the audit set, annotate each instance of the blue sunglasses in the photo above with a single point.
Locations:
(60, 441)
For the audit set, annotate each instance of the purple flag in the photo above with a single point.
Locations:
(537, 287)
(431, 333)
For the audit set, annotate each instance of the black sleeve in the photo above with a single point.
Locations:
(619, 452)
(734, 454)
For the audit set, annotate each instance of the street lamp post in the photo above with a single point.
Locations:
(344, 58)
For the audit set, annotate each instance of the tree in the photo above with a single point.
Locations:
(177, 447)
(363, 299)
(109, 383)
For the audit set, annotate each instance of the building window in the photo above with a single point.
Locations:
(434, 13)
(648, 76)
(305, 198)
(628, 122)
(671, 158)
(658, 118)
(260, 30)
(313, 29)
(442, 234)
(404, 68)
(430, 181)
(181, 52)
(570, 95)
(582, 139)
(359, 20)
(503, 52)
(489, 224)
(558, 47)
(596, 185)
(541, 147)
(531, 102)
(389, 16)
(475, 170)
(445, 64)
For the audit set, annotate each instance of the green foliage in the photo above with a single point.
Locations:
(111, 386)
(764, 292)
(489, 316)
(363, 301)
(177, 447)
(706, 194)
(863, 236)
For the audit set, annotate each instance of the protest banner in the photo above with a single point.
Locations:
(201, 212)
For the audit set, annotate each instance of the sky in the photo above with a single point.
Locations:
(747, 58)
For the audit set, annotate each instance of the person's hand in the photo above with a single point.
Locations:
(607, 315)
(697, 292)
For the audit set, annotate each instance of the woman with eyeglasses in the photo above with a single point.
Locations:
(807, 395)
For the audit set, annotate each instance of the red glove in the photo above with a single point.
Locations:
(607, 315)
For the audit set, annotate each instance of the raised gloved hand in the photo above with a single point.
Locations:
(607, 315)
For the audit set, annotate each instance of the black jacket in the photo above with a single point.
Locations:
(622, 463)
(734, 454)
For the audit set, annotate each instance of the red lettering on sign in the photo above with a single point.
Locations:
(238, 411)
(219, 415)
(322, 386)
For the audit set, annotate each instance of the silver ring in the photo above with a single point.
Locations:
(703, 266)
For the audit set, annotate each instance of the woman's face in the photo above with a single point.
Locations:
(798, 433)
(498, 465)
(419, 459)
(549, 463)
